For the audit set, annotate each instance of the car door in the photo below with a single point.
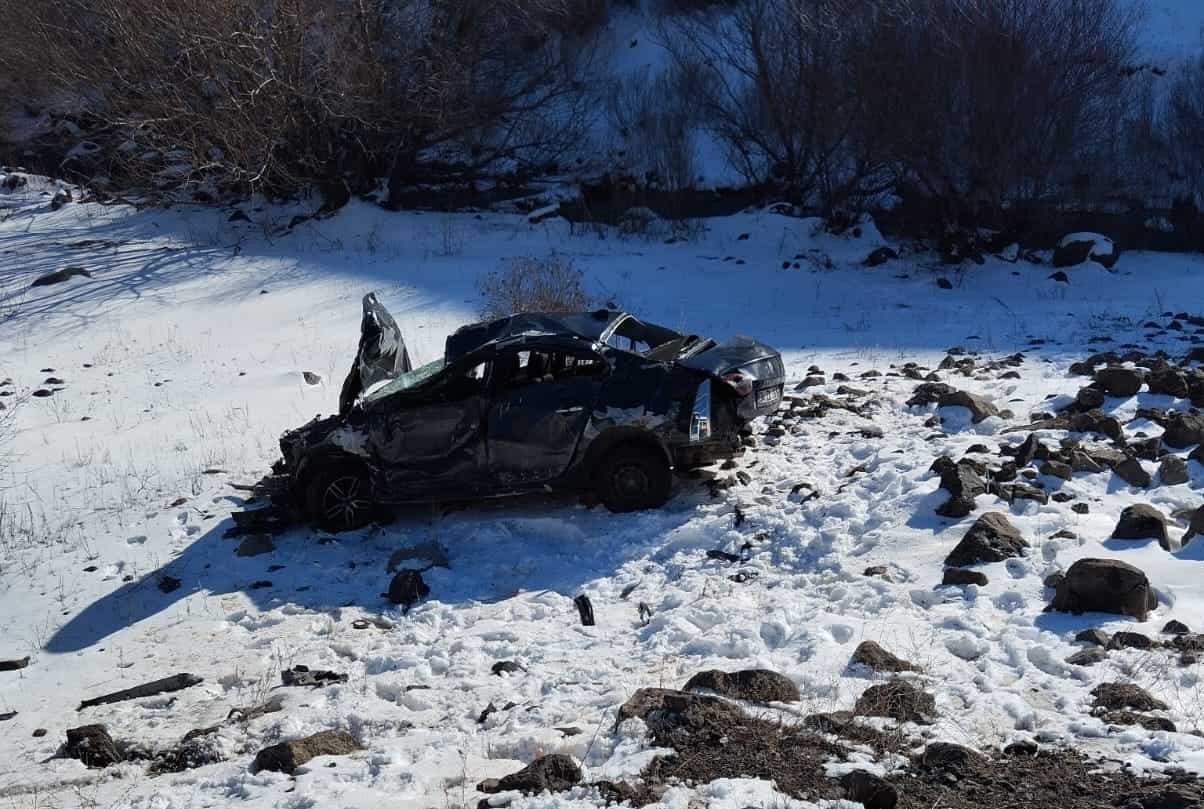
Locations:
(541, 400)
(430, 442)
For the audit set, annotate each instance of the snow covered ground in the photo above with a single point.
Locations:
(181, 361)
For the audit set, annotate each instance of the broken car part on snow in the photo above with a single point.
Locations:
(596, 401)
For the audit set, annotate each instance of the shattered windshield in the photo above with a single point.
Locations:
(405, 381)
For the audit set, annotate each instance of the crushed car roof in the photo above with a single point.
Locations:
(586, 325)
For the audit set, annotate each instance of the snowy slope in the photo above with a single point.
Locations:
(181, 361)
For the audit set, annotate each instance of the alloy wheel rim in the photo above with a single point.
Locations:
(344, 502)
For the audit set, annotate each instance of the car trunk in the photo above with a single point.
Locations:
(757, 364)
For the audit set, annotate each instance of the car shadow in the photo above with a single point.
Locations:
(489, 551)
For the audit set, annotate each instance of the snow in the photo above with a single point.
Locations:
(185, 356)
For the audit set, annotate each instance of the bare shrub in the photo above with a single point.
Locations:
(1184, 126)
(274, 96)
(655, 121)
(533, 284)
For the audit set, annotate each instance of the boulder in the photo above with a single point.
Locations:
(948, 756)
(963, 483)
(1089, 398)
(1095, 637)
(1151, 723)
(1184, 430)
(1119, 381)
(991, 539)
(1133, 473)
(1105, 585)
(666, 711)
(1168, 382)
(1056, 469)
(1117, 696)
(1077, 248)
(92, 745)
(1142, 522)
(408, 588)
(869, 790)
(1195, 526)
(753, 685)
(960, 577)
(874, 657)
(979, 407)
(1088, 657)
(1130, 640)
(554, 773)
(1172, 471)
(1173, 627)
(286, 757)
(897, 699)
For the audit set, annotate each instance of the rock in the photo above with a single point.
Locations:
(60, 276)
(1195, 526)
(1152, 723)
(844, 725)
(869, 790)
(1089, 398)
(991, 539)
(897, 699)
(1168, 382)
(286, 757)
(1184, 430)
(1056, 469)
(554, 773)
(874, 657)
(753, 685)
(962, 482)
(1078, 248)
(960, 577)
(1054, 579)
(1059, 276)
(947, 756)
(506, 667)
(1095, 421)
(1096, 637)
(1088, 657)
(168, 584)
(944, 283)
(311, 378)
(880, 257)
(255, 545)
(979, 407)
(60, 198)
(14, 665)
(1172, 471)
(877, 570)
(1132, 472)
(92, 745)
(1142, 522)
(1130, 640)
(1118, 381)
(1105, 585)
(1081, 508)
(408, 588)
(304, 677)
(1175, 628)
(665, 710)
(1116, 696)
(811, 382)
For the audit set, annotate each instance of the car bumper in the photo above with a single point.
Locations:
(693, 456)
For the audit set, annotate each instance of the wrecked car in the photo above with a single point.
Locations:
(597, 402)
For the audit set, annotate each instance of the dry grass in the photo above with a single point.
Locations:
(533, 284)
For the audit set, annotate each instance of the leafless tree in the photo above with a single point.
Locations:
(275, 95)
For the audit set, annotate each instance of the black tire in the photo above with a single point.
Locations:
(339, 496)
(633, 478)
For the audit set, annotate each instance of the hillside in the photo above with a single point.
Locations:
(181, 359)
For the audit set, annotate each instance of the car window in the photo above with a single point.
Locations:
(543, 366)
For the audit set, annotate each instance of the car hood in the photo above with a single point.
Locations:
(381, 354)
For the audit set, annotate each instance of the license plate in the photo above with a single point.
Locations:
(769, 396)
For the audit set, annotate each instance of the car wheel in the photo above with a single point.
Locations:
(633, 478)
(340, 497)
